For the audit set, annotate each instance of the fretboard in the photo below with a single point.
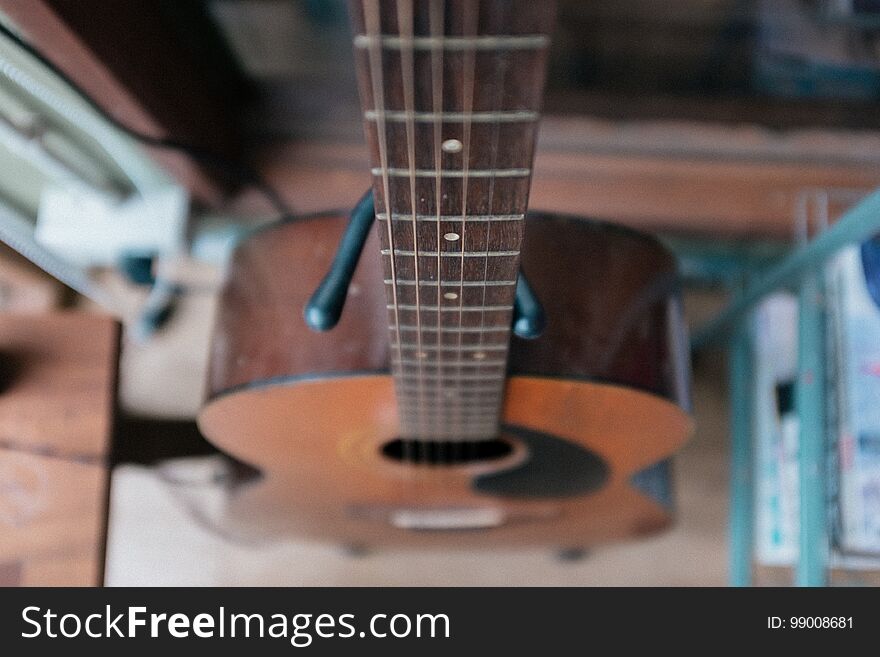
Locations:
(450, 91)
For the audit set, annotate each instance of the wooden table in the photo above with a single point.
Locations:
(57, 401)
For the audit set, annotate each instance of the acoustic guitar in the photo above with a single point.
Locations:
(497, 378)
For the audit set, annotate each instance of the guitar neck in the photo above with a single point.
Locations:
(451, 92)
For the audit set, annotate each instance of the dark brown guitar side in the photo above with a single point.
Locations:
(601, 390)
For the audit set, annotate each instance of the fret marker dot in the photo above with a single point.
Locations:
(451, 237)
(479, 355)
(450, 295)
(451, 146)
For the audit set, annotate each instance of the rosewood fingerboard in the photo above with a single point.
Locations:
(451, 92)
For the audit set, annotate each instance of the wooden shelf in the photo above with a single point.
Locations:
(682, 177)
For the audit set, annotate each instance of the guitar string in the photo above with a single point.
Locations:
(437, 26)
(407, 66)
(501, 68)
(373, 26)
(469, 29)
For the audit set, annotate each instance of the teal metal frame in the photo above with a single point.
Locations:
(810, 406)
(856, 225)
(800, 269)
(741, 516)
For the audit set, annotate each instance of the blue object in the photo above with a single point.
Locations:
(324, 308)
(528, 314)
(137, 267)
(871, 267)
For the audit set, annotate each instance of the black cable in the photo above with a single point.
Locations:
(233, 169)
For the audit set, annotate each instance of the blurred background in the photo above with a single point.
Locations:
(139, 140)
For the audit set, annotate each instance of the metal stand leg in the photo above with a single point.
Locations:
(741, 474)
(810, 403)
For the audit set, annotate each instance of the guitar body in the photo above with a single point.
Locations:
(591, 408)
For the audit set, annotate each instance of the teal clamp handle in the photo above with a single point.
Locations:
(324, 308)
(528, 314)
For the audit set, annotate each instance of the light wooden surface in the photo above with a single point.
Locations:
(155, 540)
(61, 369)
(23, 287)
(56, 419)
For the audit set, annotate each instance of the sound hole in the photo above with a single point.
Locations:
(446, 452)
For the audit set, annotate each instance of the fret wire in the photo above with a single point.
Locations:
(452, 329)
(479, 415)
(482, 425)
(472, 218)
(482, 431)
(437, 411)
(446, 363)
(484, 398)
(470, 431)
(506, 116)
(458, 408)
(470, 390)
(408, 385)
(458, 436)
(399, 365)
(467, 409)
(485, 404)
(461, 434)
(397, 172)
(485, 393)
(474, 359)
(482, 42)
(452, 254)
(492, 373)
(493, 405)
(474, 422)
(467, 347)
(471, 309)
(399, 281)
(473, 430)
(496, 373)
(472, 425)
